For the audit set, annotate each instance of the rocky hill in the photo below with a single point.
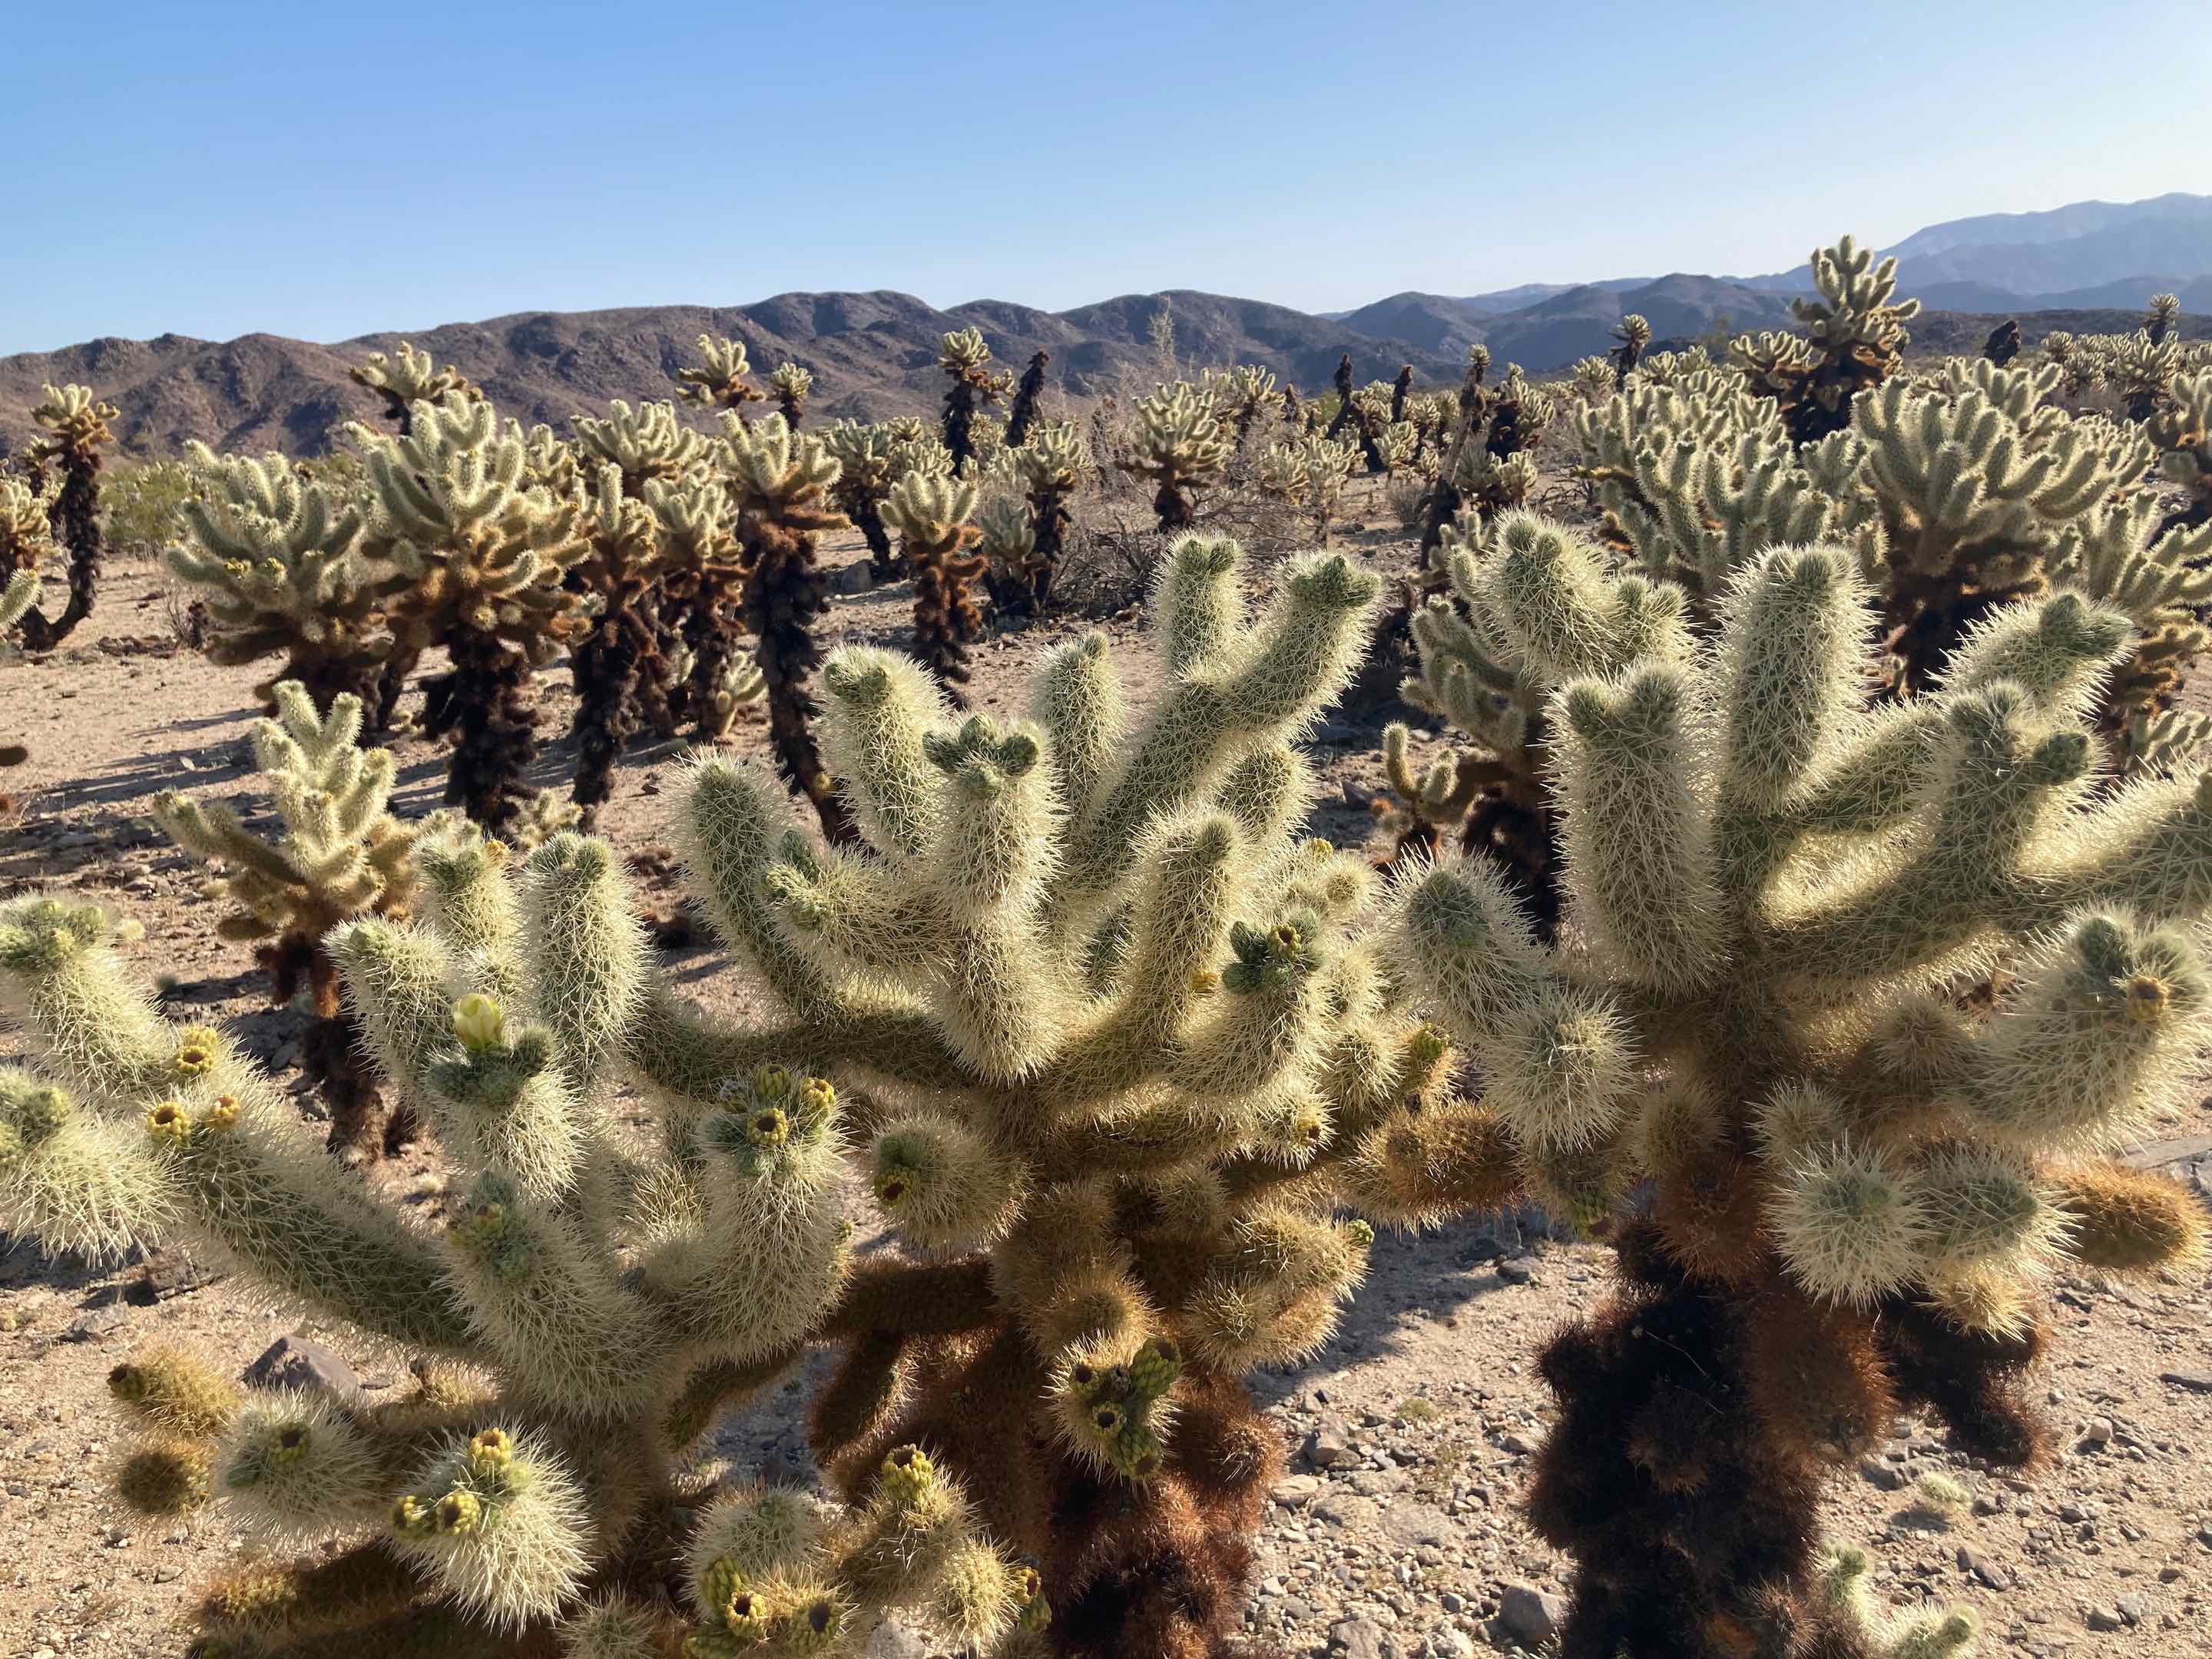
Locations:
(871, 355)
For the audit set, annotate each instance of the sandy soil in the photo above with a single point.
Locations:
(1395, 1534)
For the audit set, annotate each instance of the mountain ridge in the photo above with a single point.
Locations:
(873, 352)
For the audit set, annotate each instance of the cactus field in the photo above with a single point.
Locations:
(1560, 1013)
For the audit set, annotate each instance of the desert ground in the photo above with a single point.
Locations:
(1395, 1530)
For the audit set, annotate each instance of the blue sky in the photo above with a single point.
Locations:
(327, 170)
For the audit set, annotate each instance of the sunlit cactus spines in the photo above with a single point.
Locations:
(411, 378)
(486, 551)
(1104, 1039)
(1854, 336)
(1780, 891)
(722, 379)
(1047, 469)
(1529, 606)
(2182, 433)
(868, 464)
(340, 854)
(933, 516)
(2158, 320)
(790, 385)
(647, 444)
(26, 547)
(74, 436)
(628, 666)
(1181, 446)
(779, 481)
(275, 556)
(971, 387)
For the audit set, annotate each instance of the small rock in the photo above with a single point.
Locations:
(1329, 1446)
(1410, 1526)
(2104, 1619)
(1519, 1446)
(1516, 1272)
(169, 1275)
(1530, 1616)
(1993, 1575)
(1295, 1492)
(2194, 1381)
(2099, 1433)
(1356, 1638)
(2131, 1609)
(855, 578)
(300, 1362)
(1887, 1476)
(103, 1320)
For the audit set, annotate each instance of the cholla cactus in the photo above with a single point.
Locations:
(1125, 1056)
(2165, 311)
(1595, 379)
(1247, 393)
(1696, 477)
(1634, 333)
(933, 515)
(1181, 446)
(646, 445)
(868, 463)
(413, 378)
(1493, 651)
(1955, 491)
(781, 482)
(1282, 471)
(1325, 467)
(2141, 372)
(1023, 414)
(721, 381)
(1859, 1186)
(703, 571)
(340, 855)
(1047, 470)
(1856, 336)
(2183, 432)
(790, 384)
(2003, 343)
(275, 555)
(627, 664)
(485, 552)
(1973, 490)
(76, 432)
(1395, 445)
(966, 361)
(26, 542)
(2121, 557)
(1444, 500)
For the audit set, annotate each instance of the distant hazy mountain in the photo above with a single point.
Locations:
(871, 355)
(2091, 256)
(2042, 260)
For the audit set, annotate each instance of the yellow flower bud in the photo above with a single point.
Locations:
(479, 1022)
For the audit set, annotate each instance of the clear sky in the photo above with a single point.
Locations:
(325, 168)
